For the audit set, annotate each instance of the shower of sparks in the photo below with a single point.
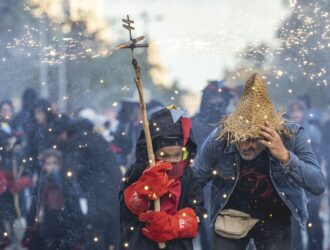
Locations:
(312, 37)
(300, 40)
(75, 47)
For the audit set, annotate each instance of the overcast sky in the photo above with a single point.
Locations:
(199, 39)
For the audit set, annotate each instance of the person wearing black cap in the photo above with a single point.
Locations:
(87, 157)
(171, 180)
(215, 101)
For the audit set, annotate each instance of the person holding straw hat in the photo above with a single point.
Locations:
(261, 169)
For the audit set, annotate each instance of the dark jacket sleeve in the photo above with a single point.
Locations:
(303, 166)
(194, 197)
(206, 158)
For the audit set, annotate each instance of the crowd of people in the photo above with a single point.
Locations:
(67, 184)
(58, 180)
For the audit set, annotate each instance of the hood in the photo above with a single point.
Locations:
(29, 99)
(168, 127)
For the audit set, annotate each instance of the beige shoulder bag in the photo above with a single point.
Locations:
(233, 224)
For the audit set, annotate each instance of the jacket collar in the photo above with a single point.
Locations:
(230, 148)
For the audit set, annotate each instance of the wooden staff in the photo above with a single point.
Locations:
(132, 44)
(17, 174)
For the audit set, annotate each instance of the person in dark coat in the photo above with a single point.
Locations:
(99, 179)
(171, 179)
(127, 132)
(7, 134)
(298, 112)
(215, 100)
(43, 117)
(55, 220)
(23, 122)
(9, 151)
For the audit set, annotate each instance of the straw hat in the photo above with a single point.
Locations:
(254, 108)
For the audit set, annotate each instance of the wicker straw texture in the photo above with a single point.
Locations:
(254, 108)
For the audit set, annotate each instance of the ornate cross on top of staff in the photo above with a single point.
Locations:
(132, 44)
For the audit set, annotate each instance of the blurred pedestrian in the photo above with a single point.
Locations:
(298, 112)
(215, 100)
(55, 220)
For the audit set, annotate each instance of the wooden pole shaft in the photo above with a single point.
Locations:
(146, 129)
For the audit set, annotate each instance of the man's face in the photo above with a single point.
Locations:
(6, 112)
(297, 113)
(250, 149)
(40, 116)
(51, 165)
(169, 154)
(63, 137)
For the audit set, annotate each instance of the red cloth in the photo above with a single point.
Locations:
(169, 202)
(186, 127)
(161, 227)
(52, 196)
(16, 186)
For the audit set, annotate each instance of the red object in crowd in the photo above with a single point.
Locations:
(116, 149)
(16, 186)
(161, 227)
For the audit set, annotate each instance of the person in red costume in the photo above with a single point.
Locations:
(9, 186)
(170, 179)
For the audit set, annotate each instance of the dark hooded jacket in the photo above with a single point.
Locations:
(61, 226)
(190, 192)
(210, 113)
(99, 179)
(40, 135)
(23, 121)
(126, 133)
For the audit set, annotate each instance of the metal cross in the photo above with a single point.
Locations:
(132, 44)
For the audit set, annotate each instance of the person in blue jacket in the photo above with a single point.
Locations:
(261, 169)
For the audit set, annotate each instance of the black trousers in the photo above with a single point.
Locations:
(267, 235)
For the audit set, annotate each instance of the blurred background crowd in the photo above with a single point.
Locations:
(70, 115)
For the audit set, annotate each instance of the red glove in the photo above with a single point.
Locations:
(152, 184)
(3, 183)
(161, 227)
(135, 203)
(16, 186)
